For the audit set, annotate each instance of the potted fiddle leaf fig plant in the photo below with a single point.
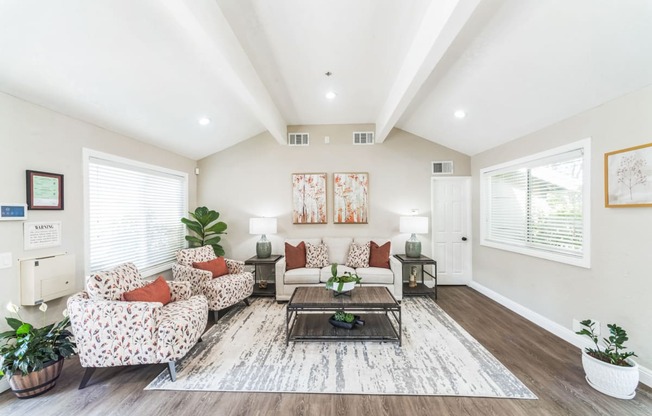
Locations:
(341, 284)
(32, 358)
(610, 369)
(207, 229)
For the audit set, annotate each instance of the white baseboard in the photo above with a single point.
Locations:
(4, 385)
(547, 324)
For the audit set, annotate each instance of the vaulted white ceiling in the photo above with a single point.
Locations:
(150, 69)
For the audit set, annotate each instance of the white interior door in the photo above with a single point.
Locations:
(451, 229)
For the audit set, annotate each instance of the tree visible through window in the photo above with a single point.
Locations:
(537, 205)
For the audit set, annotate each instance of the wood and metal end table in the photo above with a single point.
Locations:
(264, 285)
(420, 289)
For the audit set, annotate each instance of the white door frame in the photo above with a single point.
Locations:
(468, 267)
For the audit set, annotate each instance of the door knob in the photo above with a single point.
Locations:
(463, 238)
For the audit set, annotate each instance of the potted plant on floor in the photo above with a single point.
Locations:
(341, 284)
(609, 370)
(32, 358)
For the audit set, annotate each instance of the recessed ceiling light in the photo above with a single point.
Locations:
(460, 114)
(330, 95)
(204, 121)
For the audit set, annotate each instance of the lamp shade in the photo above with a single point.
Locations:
(262, 225)
(413, 225)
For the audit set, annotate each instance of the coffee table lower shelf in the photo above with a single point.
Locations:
(315, 327)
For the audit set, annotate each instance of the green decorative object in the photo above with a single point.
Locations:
(413, 247)
(206, 228)
(26, 349)
(341, 284)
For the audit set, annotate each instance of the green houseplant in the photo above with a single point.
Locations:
(32, 358)
(609, 369)
(207, 229)
(342, 283)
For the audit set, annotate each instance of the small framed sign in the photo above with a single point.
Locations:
(44, 190)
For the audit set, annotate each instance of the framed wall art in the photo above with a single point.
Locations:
(628, 177)
(309, 198)
(44, 190)
(350, 198)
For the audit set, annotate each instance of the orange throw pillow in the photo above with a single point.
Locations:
(295, 257)
(379, 255)
(157, 291)
(216, 266)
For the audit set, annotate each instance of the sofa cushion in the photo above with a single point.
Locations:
(379, 241)
(316, 255)
(157, 291)
(338, 248)
(375, 275)
(295, 257)
(326, 274)
(216, 266)
(379, 255)
(358, 255)
(301, 275)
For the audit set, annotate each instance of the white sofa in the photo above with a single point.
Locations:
(338, 250)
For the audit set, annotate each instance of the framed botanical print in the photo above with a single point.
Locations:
(628, 177)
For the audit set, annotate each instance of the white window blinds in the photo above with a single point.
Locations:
(134, 214)
(537, 206)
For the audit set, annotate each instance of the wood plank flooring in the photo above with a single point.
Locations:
(549, 366)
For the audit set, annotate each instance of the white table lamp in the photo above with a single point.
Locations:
(263, 226)
(414, 226)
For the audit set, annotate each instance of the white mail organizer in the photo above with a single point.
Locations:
(46, 278)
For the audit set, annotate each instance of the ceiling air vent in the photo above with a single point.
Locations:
(298, 139)
(363, 137)
(444, 167)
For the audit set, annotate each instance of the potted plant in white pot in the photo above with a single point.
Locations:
(609, 370)
(341, 284)
(32, 358)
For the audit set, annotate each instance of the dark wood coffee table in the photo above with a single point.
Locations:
(310, 307)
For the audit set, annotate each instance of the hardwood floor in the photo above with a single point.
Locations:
(549, 366)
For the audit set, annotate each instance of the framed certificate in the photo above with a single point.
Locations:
(44, 190)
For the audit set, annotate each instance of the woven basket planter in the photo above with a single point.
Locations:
(37, 382)
(612, 380)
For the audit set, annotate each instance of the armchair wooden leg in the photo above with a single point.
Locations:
(246, 301)
(86, 377)
(172, 369)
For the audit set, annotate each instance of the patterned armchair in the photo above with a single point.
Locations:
(110, 332)
(222, 291)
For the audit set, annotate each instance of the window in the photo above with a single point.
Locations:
(133, 213)
(540, 205)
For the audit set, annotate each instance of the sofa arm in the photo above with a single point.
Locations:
(180, 290)
(234, 266)
(397, 269)
(279, 273)
(196, 277)
(113, 333)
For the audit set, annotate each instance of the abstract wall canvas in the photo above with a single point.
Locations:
(309, 198)
(351, 198)
(628, 177)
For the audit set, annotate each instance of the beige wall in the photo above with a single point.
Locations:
(35, 138)
(618, 285)
(252, 179)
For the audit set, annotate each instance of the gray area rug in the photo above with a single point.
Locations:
(246, 352)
